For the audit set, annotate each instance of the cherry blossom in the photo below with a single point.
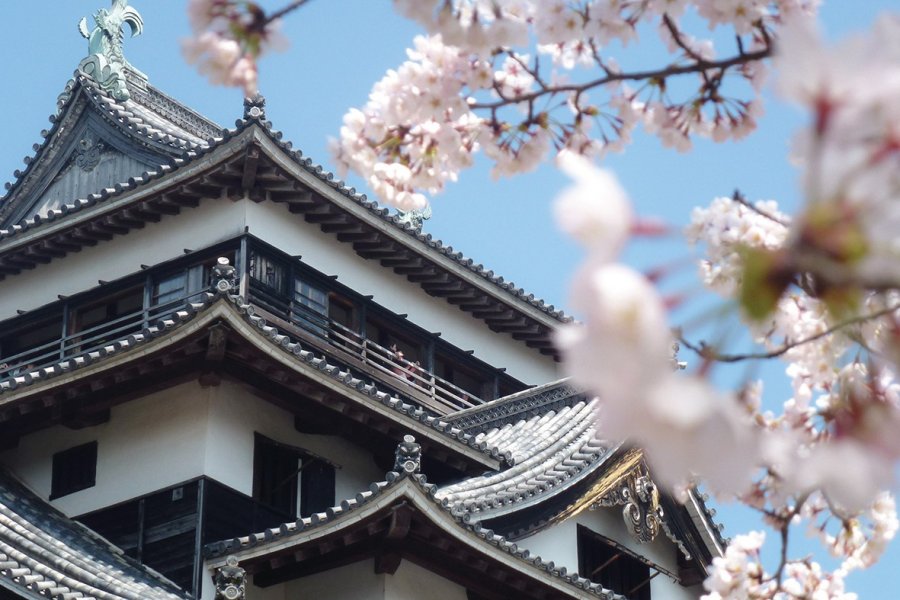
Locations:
(508, 77)
(228, 38)
(222, 61)
(526, 81)
(596, 210)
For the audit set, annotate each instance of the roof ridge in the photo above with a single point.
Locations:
(188, 131)
(40, 545)
(406, 469)
(204, 300)
(521, 405)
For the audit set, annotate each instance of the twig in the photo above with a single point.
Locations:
(707, 352)
(700, 65)
(739, 198)
(287, 9)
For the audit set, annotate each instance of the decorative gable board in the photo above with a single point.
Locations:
(87, 158)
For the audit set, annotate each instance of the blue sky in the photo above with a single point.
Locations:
(338, 49)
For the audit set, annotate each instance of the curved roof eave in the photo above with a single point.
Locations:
(488, 298)
(414, 489)
(137, 122)
(42, 550)
(198, 316)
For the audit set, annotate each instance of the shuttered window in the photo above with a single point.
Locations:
(74, 470)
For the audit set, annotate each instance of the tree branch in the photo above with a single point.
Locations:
(668, 71)
(709, 353)
(286, 10)
(740, 199)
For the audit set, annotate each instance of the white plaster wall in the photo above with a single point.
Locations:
(175, 435)
(218, 219)
(147, 444)
(275, 224)
(412, 582)
(559, 544)
(237, 413)
(194, 228)
(356, 581)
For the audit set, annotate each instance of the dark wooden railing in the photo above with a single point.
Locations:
(407, 377)
(326, 335)
(90, 339)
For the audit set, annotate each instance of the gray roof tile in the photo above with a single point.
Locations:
(285, 343)
(429, 491)
(44, 552)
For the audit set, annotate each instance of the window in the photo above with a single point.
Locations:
(310, 307)
(109, 319)
(467, 379)
(613, 567)
(74, 469)
(269, 272)
(316, 486)
(35, 342)
(341, 310)
(284, 475)
(172, 289)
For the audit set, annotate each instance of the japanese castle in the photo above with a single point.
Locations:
(225, 374)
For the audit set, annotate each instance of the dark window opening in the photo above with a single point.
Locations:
(109, 319)
(279, 470)
(316, 486)
(344, 323)
(170, 291)
(341, 311)
(612, 567)
(469, 380)
(310, 308)
(269, 272)
(33, 343)
(74, 470)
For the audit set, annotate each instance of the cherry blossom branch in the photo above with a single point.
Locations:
(708, 352)
(784, 531)
(676, 35)
(655, 74)
(286, 10)
(738, 197)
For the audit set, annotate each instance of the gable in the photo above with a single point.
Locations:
(92, 156)
(97, 142)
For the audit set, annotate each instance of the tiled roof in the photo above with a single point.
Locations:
(149, 115)
(422, 489)
(140, 122)
(385, 214)
(516, 407)
(272, 335)
(550, 451)
(551, 435)
(45, 554)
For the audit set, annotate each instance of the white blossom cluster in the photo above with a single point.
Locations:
(850, 152)
(623, 351)
(226, 42)
(482, 81)
(840, 356)
(726, 226)
(739, 575)
(416, 116)
(840, 411)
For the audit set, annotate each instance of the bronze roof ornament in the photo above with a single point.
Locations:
(106, 62)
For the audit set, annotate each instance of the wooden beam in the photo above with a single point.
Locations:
(251, 168)
(387, 563)
(82, 419)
